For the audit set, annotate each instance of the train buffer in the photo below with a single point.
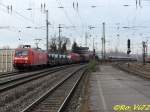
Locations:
(113, 90)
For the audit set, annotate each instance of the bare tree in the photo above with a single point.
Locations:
(54, 44)
(65, 42)
(74, 47)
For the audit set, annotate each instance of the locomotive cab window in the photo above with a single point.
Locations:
(21, 53)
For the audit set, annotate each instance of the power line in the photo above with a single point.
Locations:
(78, 14)
(16, 31)
(66, 14)
(17, 13)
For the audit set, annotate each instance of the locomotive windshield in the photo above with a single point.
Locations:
(21, 53)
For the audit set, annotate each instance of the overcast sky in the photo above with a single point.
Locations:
(117, 14)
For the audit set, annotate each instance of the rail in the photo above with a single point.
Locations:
(65, 86)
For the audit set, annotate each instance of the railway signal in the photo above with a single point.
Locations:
(128, 43)
(144, 51)
(128, 46)
(128, 52)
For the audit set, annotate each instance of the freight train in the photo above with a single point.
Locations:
(27, 57)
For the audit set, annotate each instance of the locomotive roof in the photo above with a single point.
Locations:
(30, 49)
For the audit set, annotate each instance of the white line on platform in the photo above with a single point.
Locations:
(101, 94)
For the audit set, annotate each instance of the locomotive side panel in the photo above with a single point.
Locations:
(28, 57)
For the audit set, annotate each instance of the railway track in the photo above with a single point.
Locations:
(136, 69)
(56, 98)
(15, 73)
(142, 67)
(14, 82)
(8, 74)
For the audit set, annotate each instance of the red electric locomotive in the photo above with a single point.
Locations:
(27, 57)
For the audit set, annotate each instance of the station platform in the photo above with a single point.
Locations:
(113, 90)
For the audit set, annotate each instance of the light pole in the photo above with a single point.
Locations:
(91, 27)
(86, 37)
(93, 43)
(47, 29)
(103, 43)
(59, 40)
(19, 37)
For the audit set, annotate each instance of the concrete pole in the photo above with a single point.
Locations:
(103, 42)
(47, 29)
(86, 37)
(59, 39)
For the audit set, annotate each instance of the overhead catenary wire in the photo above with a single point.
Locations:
(4, 8)
(76, 9)
(18, 14)
(67, 17)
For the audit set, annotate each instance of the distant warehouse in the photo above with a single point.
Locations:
(6, 60)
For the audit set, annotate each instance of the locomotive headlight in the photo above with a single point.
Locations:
(26, 58)
(15, 58)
